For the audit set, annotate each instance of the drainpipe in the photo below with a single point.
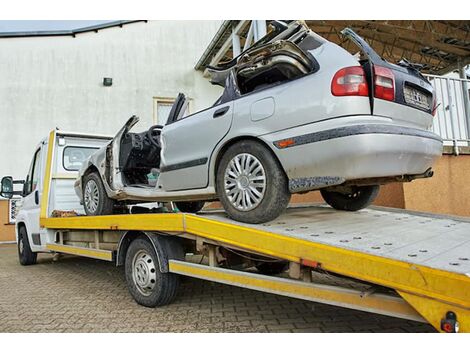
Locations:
(466, 98)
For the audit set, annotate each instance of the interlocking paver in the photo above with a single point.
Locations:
(85, 295)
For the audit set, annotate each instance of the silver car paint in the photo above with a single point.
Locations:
(290, 109)
(192, 138)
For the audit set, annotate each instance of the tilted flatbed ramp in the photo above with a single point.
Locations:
(424, 258)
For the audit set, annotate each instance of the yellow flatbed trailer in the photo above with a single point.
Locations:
(423, 258)
(398, 263)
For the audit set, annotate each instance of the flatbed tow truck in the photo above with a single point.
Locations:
(409, 265)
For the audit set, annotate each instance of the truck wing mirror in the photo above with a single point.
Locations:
(7, 187)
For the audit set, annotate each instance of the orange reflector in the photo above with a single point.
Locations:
(310, 263)
(285, 143)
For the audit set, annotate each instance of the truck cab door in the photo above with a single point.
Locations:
(32, 192)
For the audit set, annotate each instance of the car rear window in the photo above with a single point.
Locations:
(73, 157)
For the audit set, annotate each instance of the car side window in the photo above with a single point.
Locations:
(32, 180)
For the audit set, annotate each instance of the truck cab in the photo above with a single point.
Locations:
(70, 151)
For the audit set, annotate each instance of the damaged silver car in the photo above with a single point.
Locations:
(297, 113)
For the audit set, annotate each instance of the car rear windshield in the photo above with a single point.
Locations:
(74, 157)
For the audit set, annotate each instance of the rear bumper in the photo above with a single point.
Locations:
(335, 155)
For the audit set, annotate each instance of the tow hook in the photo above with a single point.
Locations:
(450, 323)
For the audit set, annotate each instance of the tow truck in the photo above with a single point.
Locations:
(398, 263)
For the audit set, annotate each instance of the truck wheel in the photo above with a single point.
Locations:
(359, 197)
(25, 254)
(190, 207)
(147, 284)
(271, 268)
(95, 199)
(251, 184)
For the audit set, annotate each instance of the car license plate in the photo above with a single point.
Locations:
(417, 98)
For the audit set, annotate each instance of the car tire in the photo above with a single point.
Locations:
(271, 268)
(146, 283)
(269, 181)
(95, 199)
(359, 198)
(25, 254)
(190, 207)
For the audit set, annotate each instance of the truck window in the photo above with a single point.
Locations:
(32, 179)
(73, 157)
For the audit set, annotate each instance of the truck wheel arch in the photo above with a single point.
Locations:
(166, 247)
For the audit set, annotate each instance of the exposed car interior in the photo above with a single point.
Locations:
(139, 153)
(279, 57)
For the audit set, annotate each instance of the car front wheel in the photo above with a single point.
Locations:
(251, 184)
(190, 207)
(95, 199)
(358, 197)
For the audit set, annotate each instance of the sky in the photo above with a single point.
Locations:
(27, 26)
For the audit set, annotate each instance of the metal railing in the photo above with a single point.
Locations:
(453, 112)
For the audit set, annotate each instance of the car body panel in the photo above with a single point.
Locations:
(289, 109)
(405, 76)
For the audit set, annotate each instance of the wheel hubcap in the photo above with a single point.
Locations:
(91, 196)
(21, 246)
(245, 182)
(144, 272)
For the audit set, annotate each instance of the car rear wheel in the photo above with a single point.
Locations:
(95, 199)
(251, 184)
(25, 254)
(190, 207)
(357, 198)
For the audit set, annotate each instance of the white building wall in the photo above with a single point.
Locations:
(48, 82)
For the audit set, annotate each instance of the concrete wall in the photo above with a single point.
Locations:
(49, 82)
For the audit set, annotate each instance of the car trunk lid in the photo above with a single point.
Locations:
(402, 84)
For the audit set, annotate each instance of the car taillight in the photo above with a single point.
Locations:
(350, 81)
(384, 83)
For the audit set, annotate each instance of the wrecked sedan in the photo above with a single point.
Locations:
(297, 113)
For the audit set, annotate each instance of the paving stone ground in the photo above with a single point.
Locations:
(86, 295)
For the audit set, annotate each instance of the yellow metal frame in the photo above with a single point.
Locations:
(47, 175)
(430, 291)
(347, 298)
(83, 252)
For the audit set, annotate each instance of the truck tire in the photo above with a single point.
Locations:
(95, 199)
(25, 254)
(190, 207)
(146, 283)
(251, 184)
(359, 198)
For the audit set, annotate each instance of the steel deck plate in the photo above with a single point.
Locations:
(437, 242)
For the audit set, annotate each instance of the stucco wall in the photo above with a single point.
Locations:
(447, 192)
(49, 82)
